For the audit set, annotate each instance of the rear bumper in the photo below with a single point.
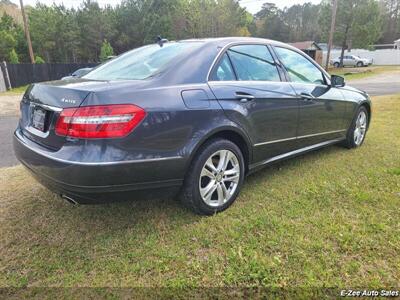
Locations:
(102, 181)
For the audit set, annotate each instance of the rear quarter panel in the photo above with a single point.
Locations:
(172, 127)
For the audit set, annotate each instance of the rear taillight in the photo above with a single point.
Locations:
(103, 121)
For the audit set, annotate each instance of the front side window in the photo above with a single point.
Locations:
(141, 63)
(253, 62)
(300, 69)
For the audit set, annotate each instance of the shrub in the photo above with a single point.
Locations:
(13, 57)
(106, 51)
(39, 60)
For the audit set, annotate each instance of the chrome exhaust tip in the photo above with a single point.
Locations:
(69, 199)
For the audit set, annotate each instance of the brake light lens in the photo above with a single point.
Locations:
(102, 121)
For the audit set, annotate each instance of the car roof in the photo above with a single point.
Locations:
(224, 41)
(205, 56)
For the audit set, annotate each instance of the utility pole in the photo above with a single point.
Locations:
(28, 36)
(333, 23)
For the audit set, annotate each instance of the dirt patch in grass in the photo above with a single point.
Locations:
(9, 101)
(326, 219)
(9, 105)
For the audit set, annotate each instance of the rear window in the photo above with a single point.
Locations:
(141, 63)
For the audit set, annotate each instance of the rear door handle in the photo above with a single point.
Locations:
(244, 97)
(307, 97)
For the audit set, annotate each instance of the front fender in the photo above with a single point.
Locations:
(355, 98)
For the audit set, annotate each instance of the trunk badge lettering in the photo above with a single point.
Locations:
(65, 100)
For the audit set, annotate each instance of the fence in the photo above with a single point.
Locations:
(2, 82)
(23, 74)
(380, 57)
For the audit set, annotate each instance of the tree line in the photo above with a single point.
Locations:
(90, 32)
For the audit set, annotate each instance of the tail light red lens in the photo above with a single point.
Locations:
(103, 121)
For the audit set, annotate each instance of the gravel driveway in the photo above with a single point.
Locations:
(7, 127)
(9, 107)
(383, 84)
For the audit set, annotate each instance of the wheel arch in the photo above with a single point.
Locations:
(233, 134)
(367, 106)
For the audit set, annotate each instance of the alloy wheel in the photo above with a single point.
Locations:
(219, 178)
(361, 127)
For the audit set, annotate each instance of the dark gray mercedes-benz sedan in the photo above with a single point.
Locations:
(190, 117)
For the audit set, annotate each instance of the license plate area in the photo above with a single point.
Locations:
(39, 116)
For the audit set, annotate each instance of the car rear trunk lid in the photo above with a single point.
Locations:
(41, 107)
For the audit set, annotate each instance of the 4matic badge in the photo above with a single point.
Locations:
(70, 101)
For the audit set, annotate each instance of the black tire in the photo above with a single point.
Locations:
(336, 65)
(360, 64)
(350, 142)
(190, 194)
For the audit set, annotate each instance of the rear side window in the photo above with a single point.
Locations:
(300, 69)
(224, 71)
(253, 62)
(143, 62)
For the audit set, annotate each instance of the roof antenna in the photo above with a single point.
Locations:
(160, 41)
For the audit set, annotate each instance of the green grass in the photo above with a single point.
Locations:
(15, 91)
(360, 73)
(326, 219)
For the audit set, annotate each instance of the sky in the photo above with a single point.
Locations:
(252, 6)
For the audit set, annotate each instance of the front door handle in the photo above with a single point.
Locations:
(307, 97)
(244, 97)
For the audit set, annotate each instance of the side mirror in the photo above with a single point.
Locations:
(337, 81)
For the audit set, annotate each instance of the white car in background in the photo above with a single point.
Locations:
(352, 61)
